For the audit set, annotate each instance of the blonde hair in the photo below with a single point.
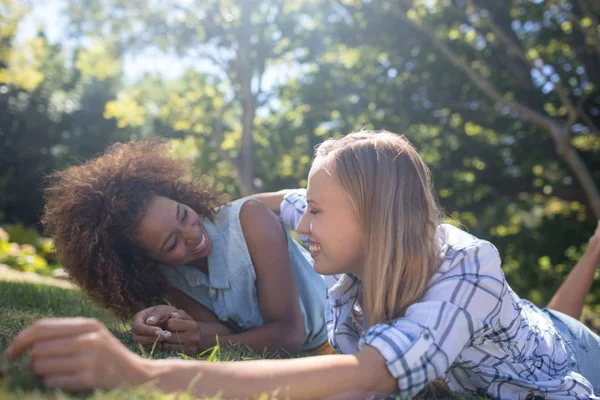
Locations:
(391, 190)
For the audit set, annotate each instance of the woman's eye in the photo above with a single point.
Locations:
(313, 212)
(173, 245)
(184, 215)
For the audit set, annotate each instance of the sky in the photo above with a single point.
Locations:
(47, 15)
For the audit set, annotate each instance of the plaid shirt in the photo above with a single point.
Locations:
(469, 328)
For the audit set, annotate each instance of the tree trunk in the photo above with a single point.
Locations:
(246, 165)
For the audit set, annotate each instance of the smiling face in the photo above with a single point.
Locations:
(331, 223)
(173, 234)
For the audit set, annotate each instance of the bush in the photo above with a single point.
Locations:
(30, 253)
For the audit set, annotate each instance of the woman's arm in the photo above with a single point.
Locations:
(304, 378)
(271, 199)
(570, 296)
(277, 293)
(77, 354)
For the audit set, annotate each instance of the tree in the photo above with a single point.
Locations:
(240, 38)
(488, 27)
(497, 173)
(50, 117)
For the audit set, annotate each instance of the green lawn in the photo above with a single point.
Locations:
(23, 303)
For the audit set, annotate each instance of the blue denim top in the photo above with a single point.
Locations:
(229, 290)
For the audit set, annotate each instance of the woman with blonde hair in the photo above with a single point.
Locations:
(417, 300)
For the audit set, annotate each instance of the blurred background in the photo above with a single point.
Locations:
(501, 98)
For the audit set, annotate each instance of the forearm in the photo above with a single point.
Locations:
(307, 378)
(272, 336)
(570, 296)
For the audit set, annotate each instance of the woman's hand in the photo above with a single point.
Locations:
(78, 354)
(185, 336)
(191, 337)
(174, 329)
(150, 324)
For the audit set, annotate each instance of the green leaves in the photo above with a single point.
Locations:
(98, 61)
(19, 65)
(473, 85)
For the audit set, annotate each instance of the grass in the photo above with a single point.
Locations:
(22, 303)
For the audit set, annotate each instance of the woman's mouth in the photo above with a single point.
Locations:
(314, 249)
(201, 246)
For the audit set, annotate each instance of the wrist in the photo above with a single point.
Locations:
(170, 375)
(141, 370)
(209, 331)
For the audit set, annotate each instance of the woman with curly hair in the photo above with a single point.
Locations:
(132, 228)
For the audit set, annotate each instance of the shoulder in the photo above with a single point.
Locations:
(252, 211)
(457, 246)
(246, 210)
(469, 281)
(259, 223)
(466, 257)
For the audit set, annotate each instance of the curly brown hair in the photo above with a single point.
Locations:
(92, 212)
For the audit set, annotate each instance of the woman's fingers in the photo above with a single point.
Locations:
(181, 314)
(180, 325)
(145, 330)
(76, 354)
(159, 315)
(77, 382)
(50, 329)
(56, 366)
(52, 348)
(149, 322)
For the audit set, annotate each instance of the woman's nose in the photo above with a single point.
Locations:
(303, 226)
(190, 235)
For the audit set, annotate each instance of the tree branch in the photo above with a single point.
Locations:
(525, 113)
(465, 17)
(584, 7)
(575, 20)
(515, 50)
(556, 131)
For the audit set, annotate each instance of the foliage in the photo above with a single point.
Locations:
(501, 100)
(500, 175)
(19, 66)
(50, 124)
(28, 252)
